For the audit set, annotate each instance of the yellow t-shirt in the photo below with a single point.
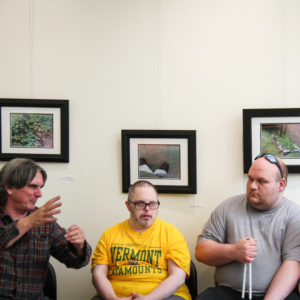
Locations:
(138, 261)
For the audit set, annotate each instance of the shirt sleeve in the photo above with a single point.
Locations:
(7, 233)
(215, 228)
(178, 251)
(100, 256)
(291, 243)
(65, 252)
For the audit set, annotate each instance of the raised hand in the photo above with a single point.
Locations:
(39, 217)
(45, 213)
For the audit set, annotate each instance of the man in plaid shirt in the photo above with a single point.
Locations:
(29, 235)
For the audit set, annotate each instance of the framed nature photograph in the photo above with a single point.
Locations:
(275, 131)
(166, 158)
(36, 129)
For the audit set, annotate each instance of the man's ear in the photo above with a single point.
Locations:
(127, 204)
(8, 190)
(282, 185)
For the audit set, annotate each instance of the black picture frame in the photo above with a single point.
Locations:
(59, 152)
(186, 184)
(253, 120)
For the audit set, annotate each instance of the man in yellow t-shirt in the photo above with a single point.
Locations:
(142, 257)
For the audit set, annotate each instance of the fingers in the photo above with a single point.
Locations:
(50, 207)
(45, 213)
(74, 231)
(250, 240)
(75, 235)
(73, 228)
(53, 203)
(134, 295)
(246, 249)
(53, 199)
(250, 250)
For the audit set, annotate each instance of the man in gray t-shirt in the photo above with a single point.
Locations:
(261, 228)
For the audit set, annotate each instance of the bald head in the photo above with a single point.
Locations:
(272, 159)
(265, 185)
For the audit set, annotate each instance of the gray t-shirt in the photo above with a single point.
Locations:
(277, 232)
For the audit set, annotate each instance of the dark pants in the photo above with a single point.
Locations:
(173, 297)
(226, 293)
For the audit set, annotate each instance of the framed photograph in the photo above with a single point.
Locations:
(166, 158)
(275, 131)
(36, 129)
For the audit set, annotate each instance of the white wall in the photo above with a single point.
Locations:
(149, 64)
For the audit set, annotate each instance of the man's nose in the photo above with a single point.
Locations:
(253, 185)
(147, 207)
(38, 192)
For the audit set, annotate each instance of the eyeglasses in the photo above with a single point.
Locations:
(272, 159)
(142, 205)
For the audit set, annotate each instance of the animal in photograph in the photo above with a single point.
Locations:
(31, 130)
(281, 139)
(159, 161)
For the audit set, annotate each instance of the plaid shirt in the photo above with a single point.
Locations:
(23, 266)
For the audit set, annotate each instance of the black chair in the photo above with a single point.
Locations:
(50, 289)
(192, 282)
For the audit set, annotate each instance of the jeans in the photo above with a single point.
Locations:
(226, 293)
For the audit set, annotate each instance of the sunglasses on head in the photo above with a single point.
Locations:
(272, 159)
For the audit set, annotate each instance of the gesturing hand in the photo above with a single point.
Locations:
(75, 236)
(45, 213)
(246, 250)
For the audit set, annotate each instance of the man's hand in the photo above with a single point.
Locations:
(284, 281)
(103, 284)
(245, 250)
(136, 296)
(175, 279)
(45, 213)
(75, 236)
(39, 217)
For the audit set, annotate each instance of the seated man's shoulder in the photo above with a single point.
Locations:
(164, 225)
(116, 227)
(292, 208)
(233, 201)
(292, 204)
(236, 198)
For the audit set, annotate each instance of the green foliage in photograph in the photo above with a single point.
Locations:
(31, 130)
(269, 145)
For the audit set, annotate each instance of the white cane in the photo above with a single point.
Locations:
(244, 281)
(249, 281)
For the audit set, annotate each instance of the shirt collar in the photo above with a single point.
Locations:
(6, 219)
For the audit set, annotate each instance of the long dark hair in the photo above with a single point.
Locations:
(18, 173)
